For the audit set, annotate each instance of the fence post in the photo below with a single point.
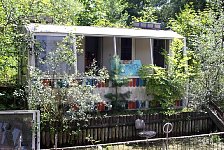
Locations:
(56, 140)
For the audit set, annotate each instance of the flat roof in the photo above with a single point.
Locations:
(103, 31)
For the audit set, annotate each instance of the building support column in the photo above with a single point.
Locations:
(75, 55)
(115, 46)
(133, 57)
(170, 53)
(151, 50)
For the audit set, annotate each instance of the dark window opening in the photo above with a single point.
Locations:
(158, 57)
(126, 49)
(92, 51)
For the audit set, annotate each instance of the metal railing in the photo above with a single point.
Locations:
(213, 141)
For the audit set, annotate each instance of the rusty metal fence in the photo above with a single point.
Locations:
(213, 141)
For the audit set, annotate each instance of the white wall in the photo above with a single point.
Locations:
(81, 58)
(142, 50)
(108, 50)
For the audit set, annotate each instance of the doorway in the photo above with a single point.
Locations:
(92, 51)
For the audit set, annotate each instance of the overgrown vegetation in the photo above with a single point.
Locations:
(64, 101)
(204, 31)
(201, 22)
(168, 85)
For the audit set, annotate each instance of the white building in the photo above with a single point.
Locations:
(134, 46)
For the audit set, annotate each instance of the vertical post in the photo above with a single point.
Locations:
(151, 50)
(56, 140)
(167, 128)
(31, 55)
(38, 129)
(31, 60)
(133, 49)
(186, 70)
(170, 54)
(20, 142)
(34, 131)
(115, 46)
(75, 54)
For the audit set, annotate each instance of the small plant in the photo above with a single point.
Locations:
(215, 138)
(118, 100)
(91, 140)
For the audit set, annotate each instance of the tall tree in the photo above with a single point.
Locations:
(140, 11)
(167, 9)
(205, 33)
(16, 13)
(103, 13)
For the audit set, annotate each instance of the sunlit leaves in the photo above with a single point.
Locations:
(168, 85)
(14, 14)
(204, 32)
(64, 97)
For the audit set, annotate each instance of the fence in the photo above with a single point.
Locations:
(205, 141)
(121, 128)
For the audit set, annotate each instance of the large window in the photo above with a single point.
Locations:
(126, 49)
(46, 59)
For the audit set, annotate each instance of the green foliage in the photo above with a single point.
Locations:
(14, 42)
(166, 86)
(204, 32)
(103, 13)
(60, 97)
(209, 49)
(188, 23)
(115, 77)
(12, 98)
(216, 138)
(117, 99)
(167, 9)
(140, 11)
